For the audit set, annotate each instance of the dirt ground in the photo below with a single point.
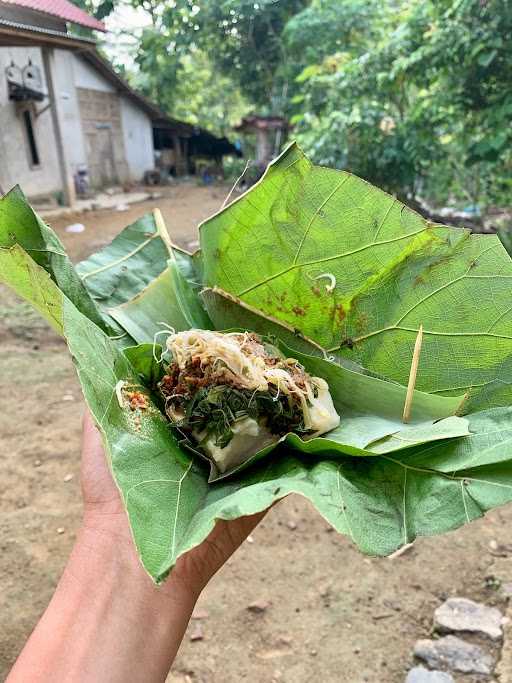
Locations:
(333, 614)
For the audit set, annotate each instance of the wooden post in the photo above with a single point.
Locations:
(186, 165)
(68, 189)
(263, 152)
(177, 154)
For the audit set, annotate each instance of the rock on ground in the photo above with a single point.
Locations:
(502, 570)
(421, 675)
(461, 614)
(504, 668)
(455, 654)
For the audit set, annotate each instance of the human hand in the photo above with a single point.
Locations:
(107, 620)
(104, 515)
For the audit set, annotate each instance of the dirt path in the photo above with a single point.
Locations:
(334, 615)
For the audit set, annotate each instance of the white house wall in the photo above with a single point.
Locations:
(70, 72)
(138, 139)
(87, 77)
(65, 66)
(136, 124)
(15, 167)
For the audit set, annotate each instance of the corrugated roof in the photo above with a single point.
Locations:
(63, 9)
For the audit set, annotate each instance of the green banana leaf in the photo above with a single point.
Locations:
(357, 272)
(380, 502)
(187, 289)
(140, 279)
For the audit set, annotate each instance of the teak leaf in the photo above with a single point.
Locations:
(357, 272)
(423, 478)
(119, 271)
(19, 224)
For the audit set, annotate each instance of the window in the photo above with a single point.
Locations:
(31, 138)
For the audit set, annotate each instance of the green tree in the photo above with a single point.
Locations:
(242, 38)
(417, 99)
(97, 8)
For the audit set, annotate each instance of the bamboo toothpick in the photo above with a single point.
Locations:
(412, 376)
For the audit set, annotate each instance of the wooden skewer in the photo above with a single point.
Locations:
(412, 376)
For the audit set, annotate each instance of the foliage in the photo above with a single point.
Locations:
(413, 96)
(98, 8)
(424, 478)
(357, 272)
(210, 62)
(194, 90)
(243, 38)
(421, 93)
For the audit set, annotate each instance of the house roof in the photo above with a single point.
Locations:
(15, 34)
(255, 122)
(63, 10)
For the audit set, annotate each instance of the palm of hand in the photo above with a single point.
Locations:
(104, 513)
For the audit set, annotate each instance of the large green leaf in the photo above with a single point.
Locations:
(371, 412)
(187, 287)
(151, 311)
(141, 448)
(229, 312)
(129, 263)
(400, 490)
(357, 272)
(19, 224)
(384, 502)
(381, 502)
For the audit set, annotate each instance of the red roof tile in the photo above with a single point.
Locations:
(63, 9)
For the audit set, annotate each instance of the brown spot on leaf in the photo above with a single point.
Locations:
(361, 322)
(338, 312)
(316, 290)
(298, 310)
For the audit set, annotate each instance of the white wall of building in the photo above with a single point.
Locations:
(136, 124)
(138, 139)
(15, 167)
(87, 77)
(70, 72)
(65, 64)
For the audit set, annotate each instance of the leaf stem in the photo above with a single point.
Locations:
(162, 231)
(224, 203)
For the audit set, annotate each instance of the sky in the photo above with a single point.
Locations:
(124, 27)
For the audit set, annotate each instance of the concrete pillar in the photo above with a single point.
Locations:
(68, 185)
